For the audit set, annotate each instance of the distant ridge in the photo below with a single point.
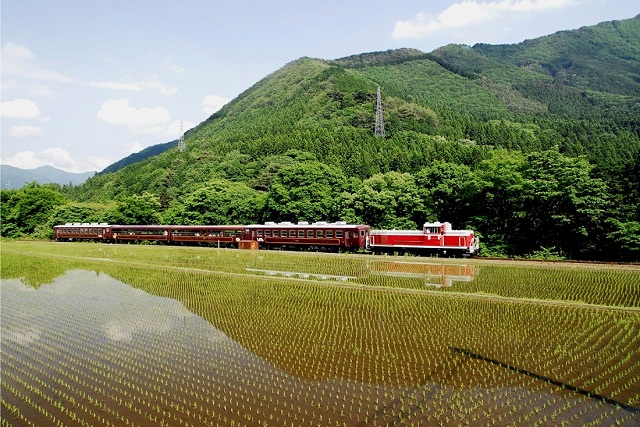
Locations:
(154, 150)
(14, 178)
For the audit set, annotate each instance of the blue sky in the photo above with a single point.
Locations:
(86, 82)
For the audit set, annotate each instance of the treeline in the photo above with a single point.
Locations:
(539, 204)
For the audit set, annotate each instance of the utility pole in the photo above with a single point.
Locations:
(379, 130)
(181, 144)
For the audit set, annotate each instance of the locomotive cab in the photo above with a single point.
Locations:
(436, 227)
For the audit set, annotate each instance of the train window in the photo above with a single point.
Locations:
(259, 232)
(319, 233)
(267, 232)
(339, 234)
(292, 233)
(362, 232)
(276, 233)
(355, 234)
(329, 233)
(300, 233)
(309, 233)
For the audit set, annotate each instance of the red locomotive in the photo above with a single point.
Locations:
(435, 237)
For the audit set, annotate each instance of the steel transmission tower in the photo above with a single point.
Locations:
(181, 144)
(379, 130)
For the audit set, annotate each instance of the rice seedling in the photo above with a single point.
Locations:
(134, 335)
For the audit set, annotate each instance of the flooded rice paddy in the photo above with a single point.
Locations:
(150, 335)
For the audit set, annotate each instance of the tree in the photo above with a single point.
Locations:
(27, 210)
(564, 204)
(136, 209)
(442, 189)
(80, 212)
(389, 200)
(623, 242)
(307, 191)
(219, 202)
(494, 194)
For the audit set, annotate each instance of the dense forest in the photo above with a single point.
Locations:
(535, 145)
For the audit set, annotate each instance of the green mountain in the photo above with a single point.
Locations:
(577, 90)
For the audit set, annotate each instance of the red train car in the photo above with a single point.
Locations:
(435, 237)
(318, 235)
(219, 235)
(80, 231)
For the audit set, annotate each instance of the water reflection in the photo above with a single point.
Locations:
(109, 308)
(300, 274)
(150, 360)
(438, 275)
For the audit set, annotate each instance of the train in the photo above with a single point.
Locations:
(434, 237)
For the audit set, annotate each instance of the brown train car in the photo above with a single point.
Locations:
(138, 233)
(225, 235)
(318, 235)
(81, 231)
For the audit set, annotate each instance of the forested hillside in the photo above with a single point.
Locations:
(534, 145)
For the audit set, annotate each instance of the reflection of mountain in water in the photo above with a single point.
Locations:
(439, 275)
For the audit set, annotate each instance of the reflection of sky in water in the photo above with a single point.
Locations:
(116, 329)
(111, 309)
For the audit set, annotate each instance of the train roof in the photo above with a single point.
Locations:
(206, 227)
(83, 224)
(141, 227)
(305, 224)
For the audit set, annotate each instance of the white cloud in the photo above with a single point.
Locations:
(20, 108)
(175, 68)
(470, 12)
(135, 147)
(144, 120)
(24, 160)
(57, 157)
(17, 60)
(160, 88)
(178, 127)
(213, 103)
(41, 90)
(25, 131)
(96, 163)
(12, 50)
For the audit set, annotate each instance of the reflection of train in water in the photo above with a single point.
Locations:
(434, 237)
(437, 275)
